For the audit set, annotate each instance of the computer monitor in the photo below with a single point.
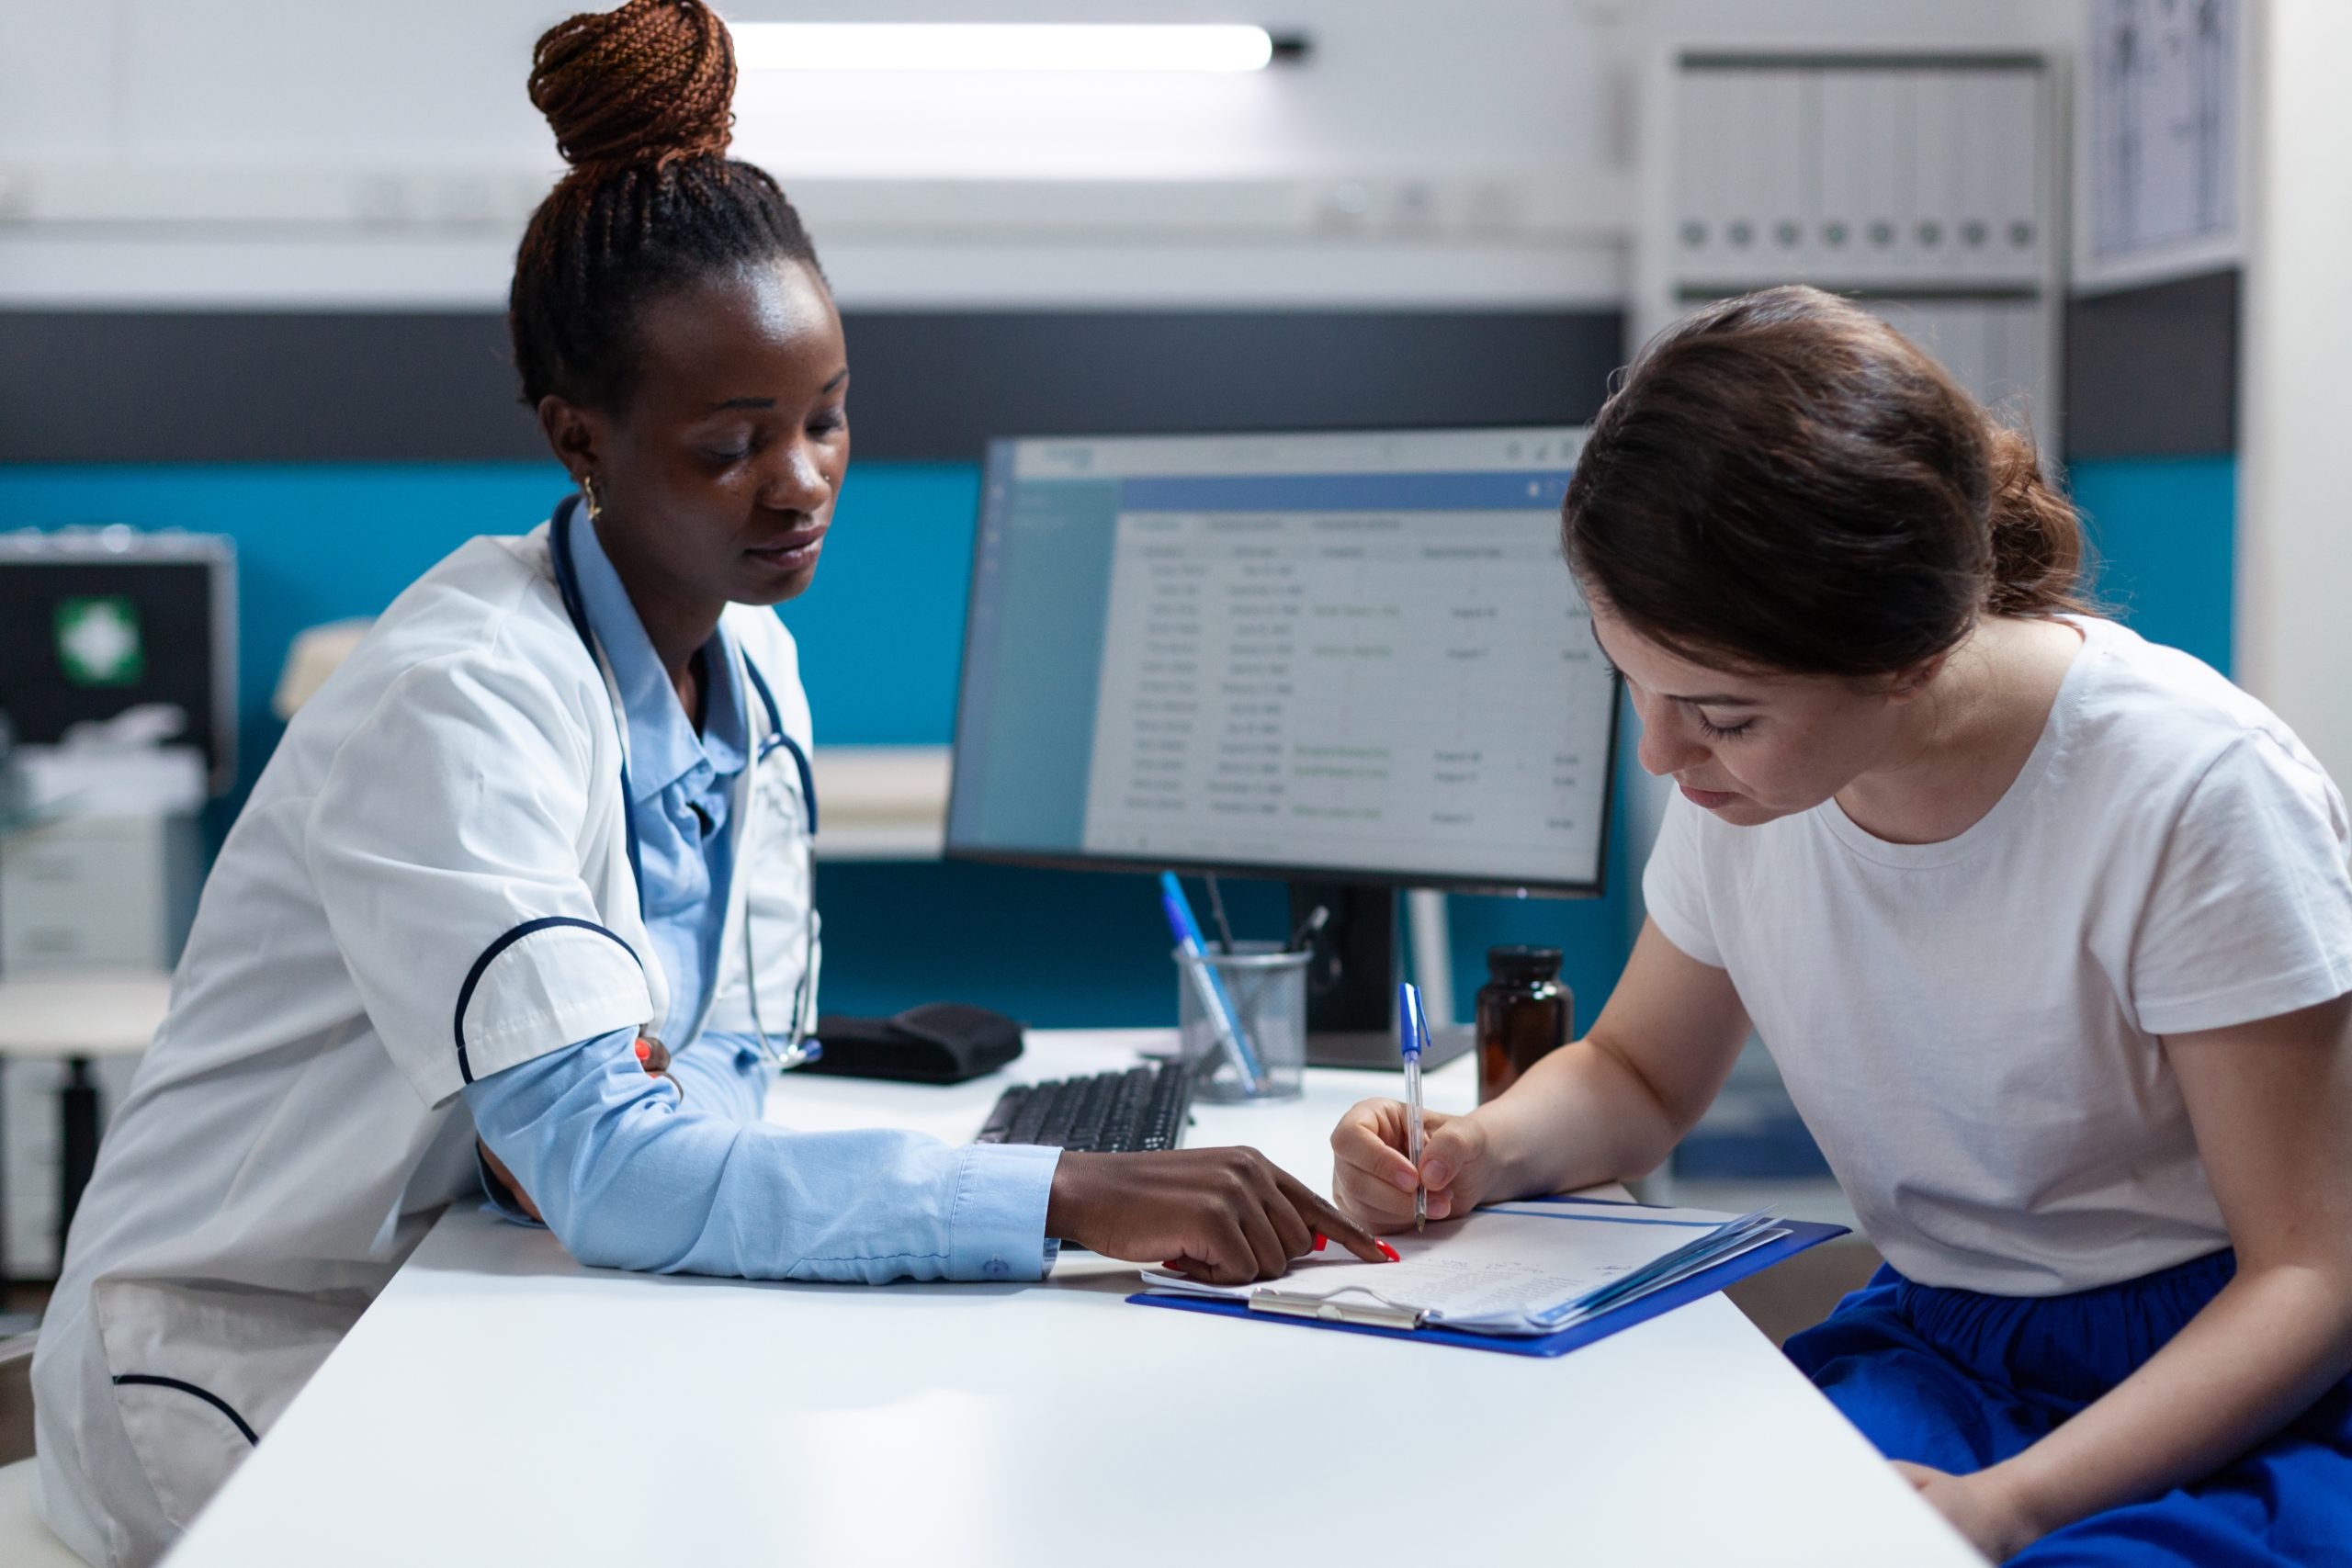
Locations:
(1355, 660)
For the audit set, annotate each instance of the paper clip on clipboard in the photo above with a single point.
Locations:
(1373, 1315)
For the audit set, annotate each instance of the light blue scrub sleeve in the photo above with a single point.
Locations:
(630, 1175)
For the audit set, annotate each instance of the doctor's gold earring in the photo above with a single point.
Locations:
(588, 494)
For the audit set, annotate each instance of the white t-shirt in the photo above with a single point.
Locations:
(1971, 1028)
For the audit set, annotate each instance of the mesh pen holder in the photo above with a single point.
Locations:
(1267, 985)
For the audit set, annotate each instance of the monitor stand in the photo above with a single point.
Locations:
(1351, 983)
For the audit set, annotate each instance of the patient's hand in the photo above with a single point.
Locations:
(1373, 1181)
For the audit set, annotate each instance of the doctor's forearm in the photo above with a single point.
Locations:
(628, 1177)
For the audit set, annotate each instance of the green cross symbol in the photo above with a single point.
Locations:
(99, 642)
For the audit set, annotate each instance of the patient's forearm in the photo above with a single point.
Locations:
(1580, 1117)
(2258, 1354)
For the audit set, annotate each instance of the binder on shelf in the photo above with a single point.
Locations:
(1850, 147)
(1975, 106)
(1780, 158)
(1712, 173)
(1887, 156)
(1693, 242)
(1943, 147)
(2016, 110)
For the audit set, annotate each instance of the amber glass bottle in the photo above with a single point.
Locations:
(1523, 1012)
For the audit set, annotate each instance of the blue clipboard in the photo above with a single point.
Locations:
(1802, 1235)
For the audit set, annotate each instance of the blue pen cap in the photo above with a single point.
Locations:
(1412, 1030)
(1177, 907)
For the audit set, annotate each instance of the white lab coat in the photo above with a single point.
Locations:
(443, 817)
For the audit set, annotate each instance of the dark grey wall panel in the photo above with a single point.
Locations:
(2153, 372)
(944, 384)
(289, 386)
(101, 387)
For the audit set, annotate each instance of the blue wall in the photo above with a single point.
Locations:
(318, 543)
(2165, 531)
(881, 638)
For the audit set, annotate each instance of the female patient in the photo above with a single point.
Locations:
(2048, 928)
(554, 808)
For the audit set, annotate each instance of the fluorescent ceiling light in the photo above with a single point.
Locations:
(999, 46)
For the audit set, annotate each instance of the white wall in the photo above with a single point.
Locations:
(2294, 545)
(313, 151)
(311, 82)
(329, 151)
(1862, 23)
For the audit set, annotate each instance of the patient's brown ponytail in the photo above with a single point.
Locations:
(1784, 481)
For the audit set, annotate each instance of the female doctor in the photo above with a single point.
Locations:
(557, 804)
(2048, 929)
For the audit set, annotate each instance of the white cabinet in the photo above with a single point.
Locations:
(96, 893)
(1923, 184)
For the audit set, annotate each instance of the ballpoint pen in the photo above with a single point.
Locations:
(1216, 913)
(1413, 1030)
(1225, 1018)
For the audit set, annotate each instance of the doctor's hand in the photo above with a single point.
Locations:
(1224, 1216)
(1375, 1181)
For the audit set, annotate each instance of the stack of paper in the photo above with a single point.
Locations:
(1533, 1267)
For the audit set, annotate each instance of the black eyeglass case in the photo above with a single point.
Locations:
(936, 1042)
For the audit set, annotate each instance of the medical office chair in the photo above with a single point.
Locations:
(25, 1542)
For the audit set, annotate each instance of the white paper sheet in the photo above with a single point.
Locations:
(1523, 1268)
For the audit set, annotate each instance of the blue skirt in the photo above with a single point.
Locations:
(1960, 1381)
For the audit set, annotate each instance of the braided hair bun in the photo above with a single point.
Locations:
(648, 84)
(639, 101)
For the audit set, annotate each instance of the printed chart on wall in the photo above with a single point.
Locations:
(2162, 140)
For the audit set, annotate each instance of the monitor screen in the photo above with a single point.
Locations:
(1352, 656)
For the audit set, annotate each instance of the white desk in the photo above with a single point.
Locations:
(500, 1404)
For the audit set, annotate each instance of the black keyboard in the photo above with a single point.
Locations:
(1141, 1108)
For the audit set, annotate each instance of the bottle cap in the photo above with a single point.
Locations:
(1516, 962)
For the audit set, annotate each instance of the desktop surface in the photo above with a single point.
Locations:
(518, 1407)
(1337, 655)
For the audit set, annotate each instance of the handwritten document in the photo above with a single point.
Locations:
(1531, 1266)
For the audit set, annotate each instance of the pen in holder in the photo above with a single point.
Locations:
(1267, 986)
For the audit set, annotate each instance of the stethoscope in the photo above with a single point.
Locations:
(799, 1049)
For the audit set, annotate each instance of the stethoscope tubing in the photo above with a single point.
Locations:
(575, 606)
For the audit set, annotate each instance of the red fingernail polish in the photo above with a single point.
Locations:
(644, 1052)
(1321, 1241)
(1389, 1252)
